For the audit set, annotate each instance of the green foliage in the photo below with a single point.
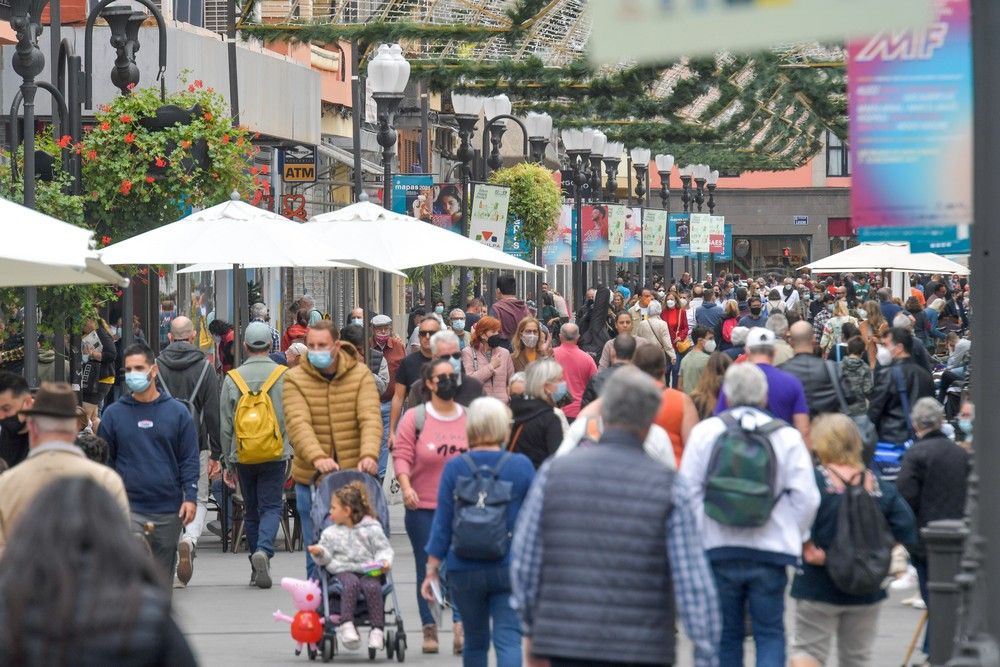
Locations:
(534, 198)
(136, 179)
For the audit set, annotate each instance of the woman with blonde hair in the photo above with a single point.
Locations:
(871, 330)
(528, 344)
(822, 610)
(833, 334)
(706, 392)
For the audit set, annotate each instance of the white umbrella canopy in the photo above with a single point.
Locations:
(216, 266)
(17, 273)
(884, 257)
(233, 232)
(368, 233)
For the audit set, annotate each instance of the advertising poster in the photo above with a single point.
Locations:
(633, 234)
(717, 234)
(727, 247)
(700, 227)
(405, 190)
(514, 242)
(440, 205)
(679, 227)
(616, 230)
(558, 248)
(910, 97)
(654, 232)
(488, 217)
(595, 233)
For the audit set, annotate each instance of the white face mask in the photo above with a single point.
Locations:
(883, 356)
(684, 303)
(671, 303)
(710, 346)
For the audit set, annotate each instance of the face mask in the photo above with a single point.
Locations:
(458, 325)
(11, 424)
(113, 331)
(710, 346)
(684, 303)
(590, 302)
(456, 365)
(829, 307)
(382, 338)
(438, 309)
(137, 381)
(671, 303)
(755, 311)
(446, 389)
(559, 392)
(358, 321)
(494, 341)
(966, 426)
(529, 340)
(320, 358)
(883, 356)
(661, 294)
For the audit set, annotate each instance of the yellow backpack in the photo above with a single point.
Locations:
(255, 423)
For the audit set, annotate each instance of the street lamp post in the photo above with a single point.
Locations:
(664, 165)
(640, 163)
(578, 144)
(467, 110)
(388, 74)
(711, 181)
(612, 158)
(497, 110)
(539, 127)
(597, 146)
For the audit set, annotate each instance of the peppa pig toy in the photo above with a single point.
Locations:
(307, 625)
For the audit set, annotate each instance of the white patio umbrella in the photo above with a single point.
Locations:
(884, 257)
(216, 266)
(38, 249)
(368, 233)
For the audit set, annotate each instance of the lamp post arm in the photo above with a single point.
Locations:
(88, 40)
(15, 106)
(524, 133)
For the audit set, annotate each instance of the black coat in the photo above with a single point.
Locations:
(812, 373)
(537, 431)
(885, 408)
(594, 326)
(180, 365)
(596, 383)
(933, 480)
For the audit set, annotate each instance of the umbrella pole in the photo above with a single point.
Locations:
(240, 287)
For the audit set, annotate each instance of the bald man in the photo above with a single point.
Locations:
(578, 366)
(186, 375)
(811, 370)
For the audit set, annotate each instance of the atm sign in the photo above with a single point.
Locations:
(298, 164)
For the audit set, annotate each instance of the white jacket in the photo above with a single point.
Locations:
(350, 549)
(788, 527)
(657, 444)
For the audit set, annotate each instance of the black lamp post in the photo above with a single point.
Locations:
(664, 165)
(597, 146)
(539, 126)
(467, 110)
(640, 163)
(578, 145)
(612, 158)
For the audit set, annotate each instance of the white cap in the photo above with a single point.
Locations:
(760, 337)
(381, 320)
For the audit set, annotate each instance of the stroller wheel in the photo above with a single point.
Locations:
(312, 652)
(400, 648)
(329, 648)
(390, 644)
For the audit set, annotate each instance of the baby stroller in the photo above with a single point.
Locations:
(395, 639)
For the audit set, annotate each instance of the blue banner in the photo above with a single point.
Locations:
(940, 239)
(679, 232)
(514, 242)
(405, 190)
(727, 250)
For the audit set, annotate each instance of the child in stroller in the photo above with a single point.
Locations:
(356, 551)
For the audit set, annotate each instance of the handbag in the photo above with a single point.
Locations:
(390, 485)
(869, 434)
(682, 345)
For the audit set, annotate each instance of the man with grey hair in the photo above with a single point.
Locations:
(667, 574)
(578, 367)
(886, 305)
(777, 324)
(260, 313)
(456, 320)
(444, 345)
(309, 303)
(750, 562)
(933, 479)
(410, 369)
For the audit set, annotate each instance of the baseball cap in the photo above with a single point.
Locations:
(381, 320)
(257, 336)
(760, 337)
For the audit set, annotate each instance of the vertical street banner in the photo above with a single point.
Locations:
(558, 248)
(488, 218)
(633, 234)
(717, 234)
(595, 233)
(910, 99)
(616, 230)
(680, 234)
(514, 242)
(700, 227)
(727, 246)
(407, 190)
(654, 232)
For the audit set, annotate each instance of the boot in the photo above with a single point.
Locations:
(458, 638)
(430, 638)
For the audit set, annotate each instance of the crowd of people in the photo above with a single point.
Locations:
(576, 483)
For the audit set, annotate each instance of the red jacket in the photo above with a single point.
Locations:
(671, 317)
(292, 334)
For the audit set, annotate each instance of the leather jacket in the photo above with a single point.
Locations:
(885, 409)
(811, 371)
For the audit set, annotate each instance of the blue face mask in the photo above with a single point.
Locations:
(137, 381)
(456, 365)
(357, 320)
(439, 309)
(559, 392)
(458, 325)
(966, 426)
(320, 358)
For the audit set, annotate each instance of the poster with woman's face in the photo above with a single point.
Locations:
(440, 205)
(595, 233)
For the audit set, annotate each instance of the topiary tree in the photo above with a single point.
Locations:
(534, 199)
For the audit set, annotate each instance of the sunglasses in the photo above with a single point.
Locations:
(453, 355)
(427, 334)
(446, 376)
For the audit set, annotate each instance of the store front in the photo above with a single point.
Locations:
(760, 255)
(843, 235)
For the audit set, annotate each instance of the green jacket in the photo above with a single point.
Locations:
(254, 371)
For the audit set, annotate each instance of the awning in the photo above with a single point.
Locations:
(345, 156)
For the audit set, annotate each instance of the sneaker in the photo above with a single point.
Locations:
(906, 580)
(349, 636)
(376, 639)
(261, 566)
(214, 527)
(458, 638)
(430, 638)
(185, 560)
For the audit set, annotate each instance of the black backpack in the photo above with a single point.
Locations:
(858, 558)
(741, 480)
(479, 527)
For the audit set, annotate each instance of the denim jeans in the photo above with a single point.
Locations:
(482, 596)
(418, 529)
(303, 503)
(762, 586)
(383, 454)
(166, 530)
(921, 567)
(675, 369)
(263, 489)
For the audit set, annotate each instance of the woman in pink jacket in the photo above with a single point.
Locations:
(487, 360)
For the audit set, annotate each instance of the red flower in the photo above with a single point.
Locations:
(191, 88)
(105, 108)
(105, 126)
(126, 187)
(264, 169)
(125, 118)
(257, 196)
(266, 186)
(207, 116)
(185, 144)
(210, 89)
(225, 138)
(130, 137)
(92, 155)
(198, 83)
(253, 171)
(105, 240)
(93, 195)
(160, 162)
(64, 141)
(131, 86)
(239, 141)
(150, 179)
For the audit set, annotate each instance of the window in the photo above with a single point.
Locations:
(838, 157)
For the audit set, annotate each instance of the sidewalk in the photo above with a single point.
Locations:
(228, 623)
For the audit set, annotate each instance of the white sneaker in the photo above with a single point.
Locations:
(915, 601)
(349, 636)
(376, 639)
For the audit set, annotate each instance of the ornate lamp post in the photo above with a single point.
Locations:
(388, 73)
(701, 172)
(496, 108)
(664, 165)
(467, 110)
(712, 182)
(539, 126)
(612, 158)
(597, 146)
(578, 144)
(640, 164)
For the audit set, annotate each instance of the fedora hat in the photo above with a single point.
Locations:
(54, 399)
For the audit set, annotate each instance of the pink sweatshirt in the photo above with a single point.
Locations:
(477, 364)
(423, 459)
(578, 367)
